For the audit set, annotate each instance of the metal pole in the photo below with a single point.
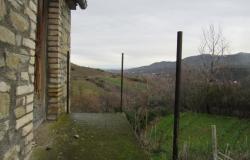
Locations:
(122, 82)
(68, 83)
(177, 96)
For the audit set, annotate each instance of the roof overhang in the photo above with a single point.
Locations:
(73, 3)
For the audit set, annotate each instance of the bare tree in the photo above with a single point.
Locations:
(213, 47)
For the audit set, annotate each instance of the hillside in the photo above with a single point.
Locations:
(94, 90)
(195, 130)
(148, 104)
(80, 72)
(239, 60)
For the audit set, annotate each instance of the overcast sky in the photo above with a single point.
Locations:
(145, 30)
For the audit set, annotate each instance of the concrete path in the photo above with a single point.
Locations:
(88, 136)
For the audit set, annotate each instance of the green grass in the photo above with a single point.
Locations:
(85, 87)
(195, 129)
(116, 81)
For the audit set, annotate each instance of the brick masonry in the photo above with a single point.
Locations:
(58, 48)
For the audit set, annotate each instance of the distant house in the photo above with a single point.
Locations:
(34, 64)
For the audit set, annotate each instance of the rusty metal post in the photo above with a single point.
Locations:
(68, 83)
(177, 96)
(122, 62)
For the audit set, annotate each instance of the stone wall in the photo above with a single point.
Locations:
(17, 50)
(18, 25)
(58, 48)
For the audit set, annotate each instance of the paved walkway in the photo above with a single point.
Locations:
(88, 136)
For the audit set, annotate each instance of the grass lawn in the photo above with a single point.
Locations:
(195, 130)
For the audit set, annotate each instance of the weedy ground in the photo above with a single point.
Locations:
(88, 136)
(195, 130)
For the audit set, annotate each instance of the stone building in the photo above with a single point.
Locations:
(34, 62)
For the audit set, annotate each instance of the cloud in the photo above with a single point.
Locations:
(146, 30)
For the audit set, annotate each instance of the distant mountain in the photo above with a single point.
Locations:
(231, 61)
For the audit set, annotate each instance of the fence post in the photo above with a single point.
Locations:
(214, 143)
(185, 150)
(177, 96)
(68, 83)
(122, 63)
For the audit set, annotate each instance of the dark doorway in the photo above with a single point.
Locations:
(41, 63)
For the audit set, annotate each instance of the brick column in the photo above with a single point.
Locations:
(58, 47)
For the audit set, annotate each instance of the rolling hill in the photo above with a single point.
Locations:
(239, 60)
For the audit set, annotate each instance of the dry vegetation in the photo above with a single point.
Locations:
(148, 106)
